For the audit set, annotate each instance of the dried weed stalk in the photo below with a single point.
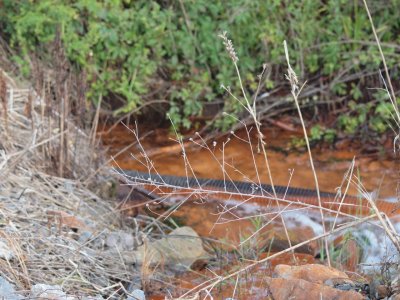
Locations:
(184, 193)
(45, 218)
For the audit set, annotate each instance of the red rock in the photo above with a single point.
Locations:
(61, 219)
(298, 289)
(312, 273)
(289, 259)
(349, 254)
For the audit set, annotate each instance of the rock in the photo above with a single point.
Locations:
(297, 234)
(106, 190)
(85, 236)
(120, 240)
(382, 291)
(97, 297)
(7, 291)
(49, 292)
(338, 283)
(137, 295)
(378, 290)
(61, 219)
(289, 259)
(181, 248)
(5, 251)
(312, 273)
(349, 253)
(291, 288)
(395, 297)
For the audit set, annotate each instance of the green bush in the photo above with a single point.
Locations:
(130, 48)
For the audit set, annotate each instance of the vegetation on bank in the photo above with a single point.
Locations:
(166, 54)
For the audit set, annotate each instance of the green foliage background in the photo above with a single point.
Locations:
(128, 47)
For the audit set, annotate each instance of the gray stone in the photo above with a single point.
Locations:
(7, 291)
(137, 295)
(85, 236)
(53, 292)
(97, 297)
(180, 249)
(121, 240)
(5, 251)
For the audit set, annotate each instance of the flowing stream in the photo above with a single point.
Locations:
(241, 160)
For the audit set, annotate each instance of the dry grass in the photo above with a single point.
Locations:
(43, 216)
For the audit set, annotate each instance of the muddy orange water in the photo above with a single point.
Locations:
(242, 160)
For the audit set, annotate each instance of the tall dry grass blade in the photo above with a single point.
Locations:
(389, 81)
(295, 91)
(342, 196)
(95, 125)
(247, 105)
(3, 98)
(62, 138)
(251, 109)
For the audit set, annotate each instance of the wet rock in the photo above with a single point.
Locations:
(297, 234)
(293, 288)
(5, 251)
(180, 249)
(121, 240)
(53, 292)
(7, 291)
(312, 273)
(137, 295)
(338, 283)
(378, 290)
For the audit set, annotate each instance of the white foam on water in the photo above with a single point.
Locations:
(376, 246)
(393, 199)
(298, 220)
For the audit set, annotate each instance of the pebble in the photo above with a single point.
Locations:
(137, 295)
